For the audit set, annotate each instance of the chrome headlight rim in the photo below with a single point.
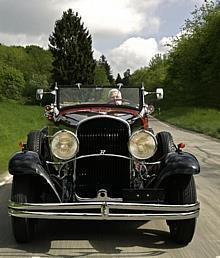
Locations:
(74, 136)
(155, 141)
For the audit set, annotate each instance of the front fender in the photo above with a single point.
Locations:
(178, 163)
(23, 163)
(29, 163)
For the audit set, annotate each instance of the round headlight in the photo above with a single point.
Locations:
(64, 145)
(142, 144)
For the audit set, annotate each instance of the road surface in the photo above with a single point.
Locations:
(128, 239)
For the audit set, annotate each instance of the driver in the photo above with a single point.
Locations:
(115, 97)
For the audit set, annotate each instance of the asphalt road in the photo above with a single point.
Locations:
(128, 239)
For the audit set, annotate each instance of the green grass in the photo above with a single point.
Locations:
(201, 120)
(16, 120)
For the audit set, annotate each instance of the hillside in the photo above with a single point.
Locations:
(16, 120)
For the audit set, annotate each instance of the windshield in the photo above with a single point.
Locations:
(69, 96)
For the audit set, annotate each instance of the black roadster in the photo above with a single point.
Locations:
(98, 159)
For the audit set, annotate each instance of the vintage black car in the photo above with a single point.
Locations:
(98, 159)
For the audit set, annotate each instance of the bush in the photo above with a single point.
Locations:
(11, 83)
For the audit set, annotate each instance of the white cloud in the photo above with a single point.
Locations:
(135, 53)
(24, 39)
(108, 18)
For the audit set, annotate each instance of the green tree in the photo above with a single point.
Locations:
(126, 79)
(153, 75)
(11, 82)
(71, 46)
(40, 61)
(100, 75)
(193, 75)
(118, 79)
(103, 62)
(31, 62)
(36, 82)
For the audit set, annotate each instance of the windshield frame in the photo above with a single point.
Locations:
(99, 104)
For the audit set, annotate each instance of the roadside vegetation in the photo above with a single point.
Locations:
(16, 122)
(202, 120)
(189, 73)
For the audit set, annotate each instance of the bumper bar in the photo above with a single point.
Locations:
(103, 210)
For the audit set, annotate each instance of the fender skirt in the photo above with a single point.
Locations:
(178, 163)
(29, 163)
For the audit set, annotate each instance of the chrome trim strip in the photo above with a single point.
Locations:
(112, 205)
(103, 154)
(63, 211)
(94, 155)
(151, 211)
(104, 215)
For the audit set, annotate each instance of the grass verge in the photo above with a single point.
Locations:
(16, 120)
(201, 120)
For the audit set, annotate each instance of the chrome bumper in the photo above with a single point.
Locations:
(103, 210)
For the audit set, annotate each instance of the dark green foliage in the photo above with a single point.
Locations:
(36, 82)
(100, 75)
(193, 76)
(118, 79)
(126, 79)
(11, 82)
(103, 62)
(152, 76)
(24, 65)
(41, 61)
(71, 46)
(190, 73)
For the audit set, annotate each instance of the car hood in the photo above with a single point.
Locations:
(73, 117)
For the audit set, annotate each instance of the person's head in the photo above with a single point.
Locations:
(115, 96)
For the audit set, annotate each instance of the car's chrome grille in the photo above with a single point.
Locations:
(106, 136)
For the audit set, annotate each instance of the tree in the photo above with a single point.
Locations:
(71, 46)
(103, 61)
(126, 79)
(153, 75)
(118, 79)
(100, 75)
(32, 63)
(11, 82)
(36, 82)
(193, 72)
(41, 61)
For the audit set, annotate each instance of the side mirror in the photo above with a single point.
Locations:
(39, 94)
(159, 93)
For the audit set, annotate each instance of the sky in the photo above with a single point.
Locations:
(128, 32)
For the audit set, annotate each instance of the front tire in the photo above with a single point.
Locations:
(182, 231)
(22, 192)
(165, 145)
(35, 141)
